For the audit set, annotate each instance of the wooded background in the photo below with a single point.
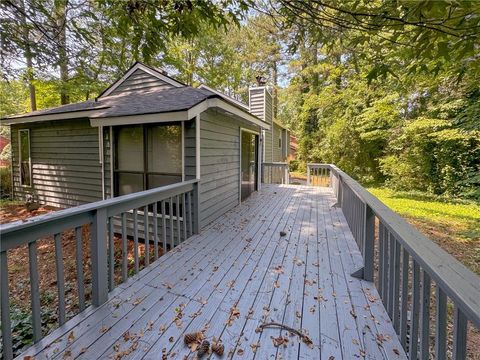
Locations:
(389, 91)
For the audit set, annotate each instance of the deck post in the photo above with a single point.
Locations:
(196, 208)
(98, 258)
(368, 242)
(287, 175)
(308, 174)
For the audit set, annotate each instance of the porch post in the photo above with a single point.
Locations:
(368, 242)
(99, 258)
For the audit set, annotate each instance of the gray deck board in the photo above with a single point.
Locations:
(240, 261)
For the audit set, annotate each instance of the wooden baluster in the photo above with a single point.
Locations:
(190, 217)
(111, 255)
(177, 211)
(124, 248)
(396, 291)
(164, 227)
(172, 239)
(135, 241)
(459, 335)
(60, 278)
(391, 269)
(155, 229)
(146, 235)
(79, 265)
(184, 217)
(381, 245)
(404, 304)
(5, 308)
(425, 314)
(415, 317)
(34, 291)
(441, 325)
(196, 208)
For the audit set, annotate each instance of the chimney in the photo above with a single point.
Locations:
(260, 101)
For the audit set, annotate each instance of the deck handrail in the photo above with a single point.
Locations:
(398, 241)
(168, 216)
(275, 173)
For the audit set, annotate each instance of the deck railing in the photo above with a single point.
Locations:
(161, 217)
(275, 173)
(414, 277)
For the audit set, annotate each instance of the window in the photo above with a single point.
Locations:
(24, 157)
(279, 142)
(147, 157)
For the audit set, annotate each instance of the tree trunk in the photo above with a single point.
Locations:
(61, 26)
(28, 58)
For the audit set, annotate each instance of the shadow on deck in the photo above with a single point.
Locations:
(237, 274)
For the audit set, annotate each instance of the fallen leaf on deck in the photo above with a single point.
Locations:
(104, 329)
(276, 284)
(353, 314)
(355, 341)
(396, 351)
(240, 352)
(168, 285)
(279, 341)
(71, 337)
(255, 346)
(234, 314)
(171, 339)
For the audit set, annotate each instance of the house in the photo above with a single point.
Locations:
(145, 130)
(260, 103)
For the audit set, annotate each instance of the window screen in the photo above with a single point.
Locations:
(147, 156)
(25, 161)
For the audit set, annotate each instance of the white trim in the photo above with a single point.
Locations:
(180, 115)
(100, 158)
(112, 190)
(240, 160)
(62, 116)
(29, 158)
(183, 151)
(228, 98)
(144, 68)
(197, 147)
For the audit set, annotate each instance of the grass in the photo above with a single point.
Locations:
(453, 224)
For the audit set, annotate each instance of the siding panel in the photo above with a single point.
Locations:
(65, 163)
(220, 164)
(140, 80)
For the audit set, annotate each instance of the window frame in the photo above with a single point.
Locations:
(145, 172)
(20, 160)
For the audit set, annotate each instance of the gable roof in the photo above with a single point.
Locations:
(134, 75)
(174, 100)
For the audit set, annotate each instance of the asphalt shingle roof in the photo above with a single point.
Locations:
(134, 103)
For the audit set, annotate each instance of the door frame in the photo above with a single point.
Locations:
(257, 160)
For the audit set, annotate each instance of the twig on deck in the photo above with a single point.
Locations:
(305, 338)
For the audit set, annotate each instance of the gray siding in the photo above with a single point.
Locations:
(65, 163)
(220, 164)
(256, 102)
(261, 105)
(278, 151)
(140, 80)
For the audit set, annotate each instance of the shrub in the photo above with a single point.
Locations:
(5, 182)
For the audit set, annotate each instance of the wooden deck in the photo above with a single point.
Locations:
(236, 275)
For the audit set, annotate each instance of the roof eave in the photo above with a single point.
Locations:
(49, 117)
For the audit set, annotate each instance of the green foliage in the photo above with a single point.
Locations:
(431, 155)
(5, 182)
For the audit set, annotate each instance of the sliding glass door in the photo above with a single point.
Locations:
(248, 163)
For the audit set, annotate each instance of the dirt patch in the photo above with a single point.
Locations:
(19, 277)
